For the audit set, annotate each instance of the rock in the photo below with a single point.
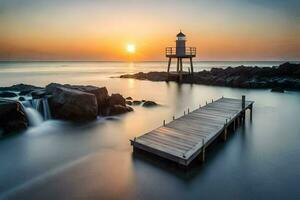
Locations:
(149, 104)
(128, 102)
(73, 105)
(8, 94)
(128, 98)
(116, 99)
(136, 102)
(12, 117)
(119, 109)
(100, 93)
(278, 89)
(23, 88)
(37, 94)
(22, 99)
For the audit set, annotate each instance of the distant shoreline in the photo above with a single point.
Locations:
(278, 78)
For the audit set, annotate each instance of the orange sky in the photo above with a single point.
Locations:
(100, 30)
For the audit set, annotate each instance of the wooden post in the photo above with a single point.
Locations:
(164, 122)
(177, 64)
(234, 124)
(225, 133)
(192, 67)
(180, 71)
(251, 107)
(173, 117)
(243, 101)
(203, 151)
(169, 65)
(183, 112)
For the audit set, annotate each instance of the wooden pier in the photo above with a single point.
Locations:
(185, 138)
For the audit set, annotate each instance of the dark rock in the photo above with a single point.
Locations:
(73, 105)
(12, 116)
(119, 109)
(8, 94)
(280, 90)
(37, 94)
(22, 99)
(149, 104)
(136, 102)
(100, 93)
(128, 98)
(116, 99)
(25, 92)
(20, 88)
(128, 102)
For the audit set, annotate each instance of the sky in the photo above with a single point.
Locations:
(101, 29)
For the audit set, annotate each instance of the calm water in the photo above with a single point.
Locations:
(58, 160)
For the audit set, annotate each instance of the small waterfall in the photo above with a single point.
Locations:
(37, 110)
(34, 117)
(46, 109)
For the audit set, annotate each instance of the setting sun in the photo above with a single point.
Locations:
(130, 48)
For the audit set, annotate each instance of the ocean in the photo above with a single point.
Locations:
(61, 160)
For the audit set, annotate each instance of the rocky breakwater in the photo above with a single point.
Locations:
(278, 78)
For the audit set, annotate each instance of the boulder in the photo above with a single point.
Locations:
(128, 102)
(128, 98)
(119, 109)
(149, 104)
(73, 105)
(100, 93)
(116, 99)
(6, 94)
(12, 117)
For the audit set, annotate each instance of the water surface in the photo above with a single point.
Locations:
(59, 160)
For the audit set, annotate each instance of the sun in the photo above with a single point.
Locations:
(130, 48)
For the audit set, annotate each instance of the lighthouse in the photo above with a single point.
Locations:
(181, 52)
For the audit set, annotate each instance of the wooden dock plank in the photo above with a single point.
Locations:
(184, 138)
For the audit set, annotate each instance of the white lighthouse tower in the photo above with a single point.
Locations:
(180, 52)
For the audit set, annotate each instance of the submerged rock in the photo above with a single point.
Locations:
(280, 90)
(8, 94)
(12, 117)
(128, 102)
(149, 104)
(136, 102)
(119, 109)
(22, 99)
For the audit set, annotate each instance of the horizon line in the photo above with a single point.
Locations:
(124, 61)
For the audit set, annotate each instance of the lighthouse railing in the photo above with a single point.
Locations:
(188, 51)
